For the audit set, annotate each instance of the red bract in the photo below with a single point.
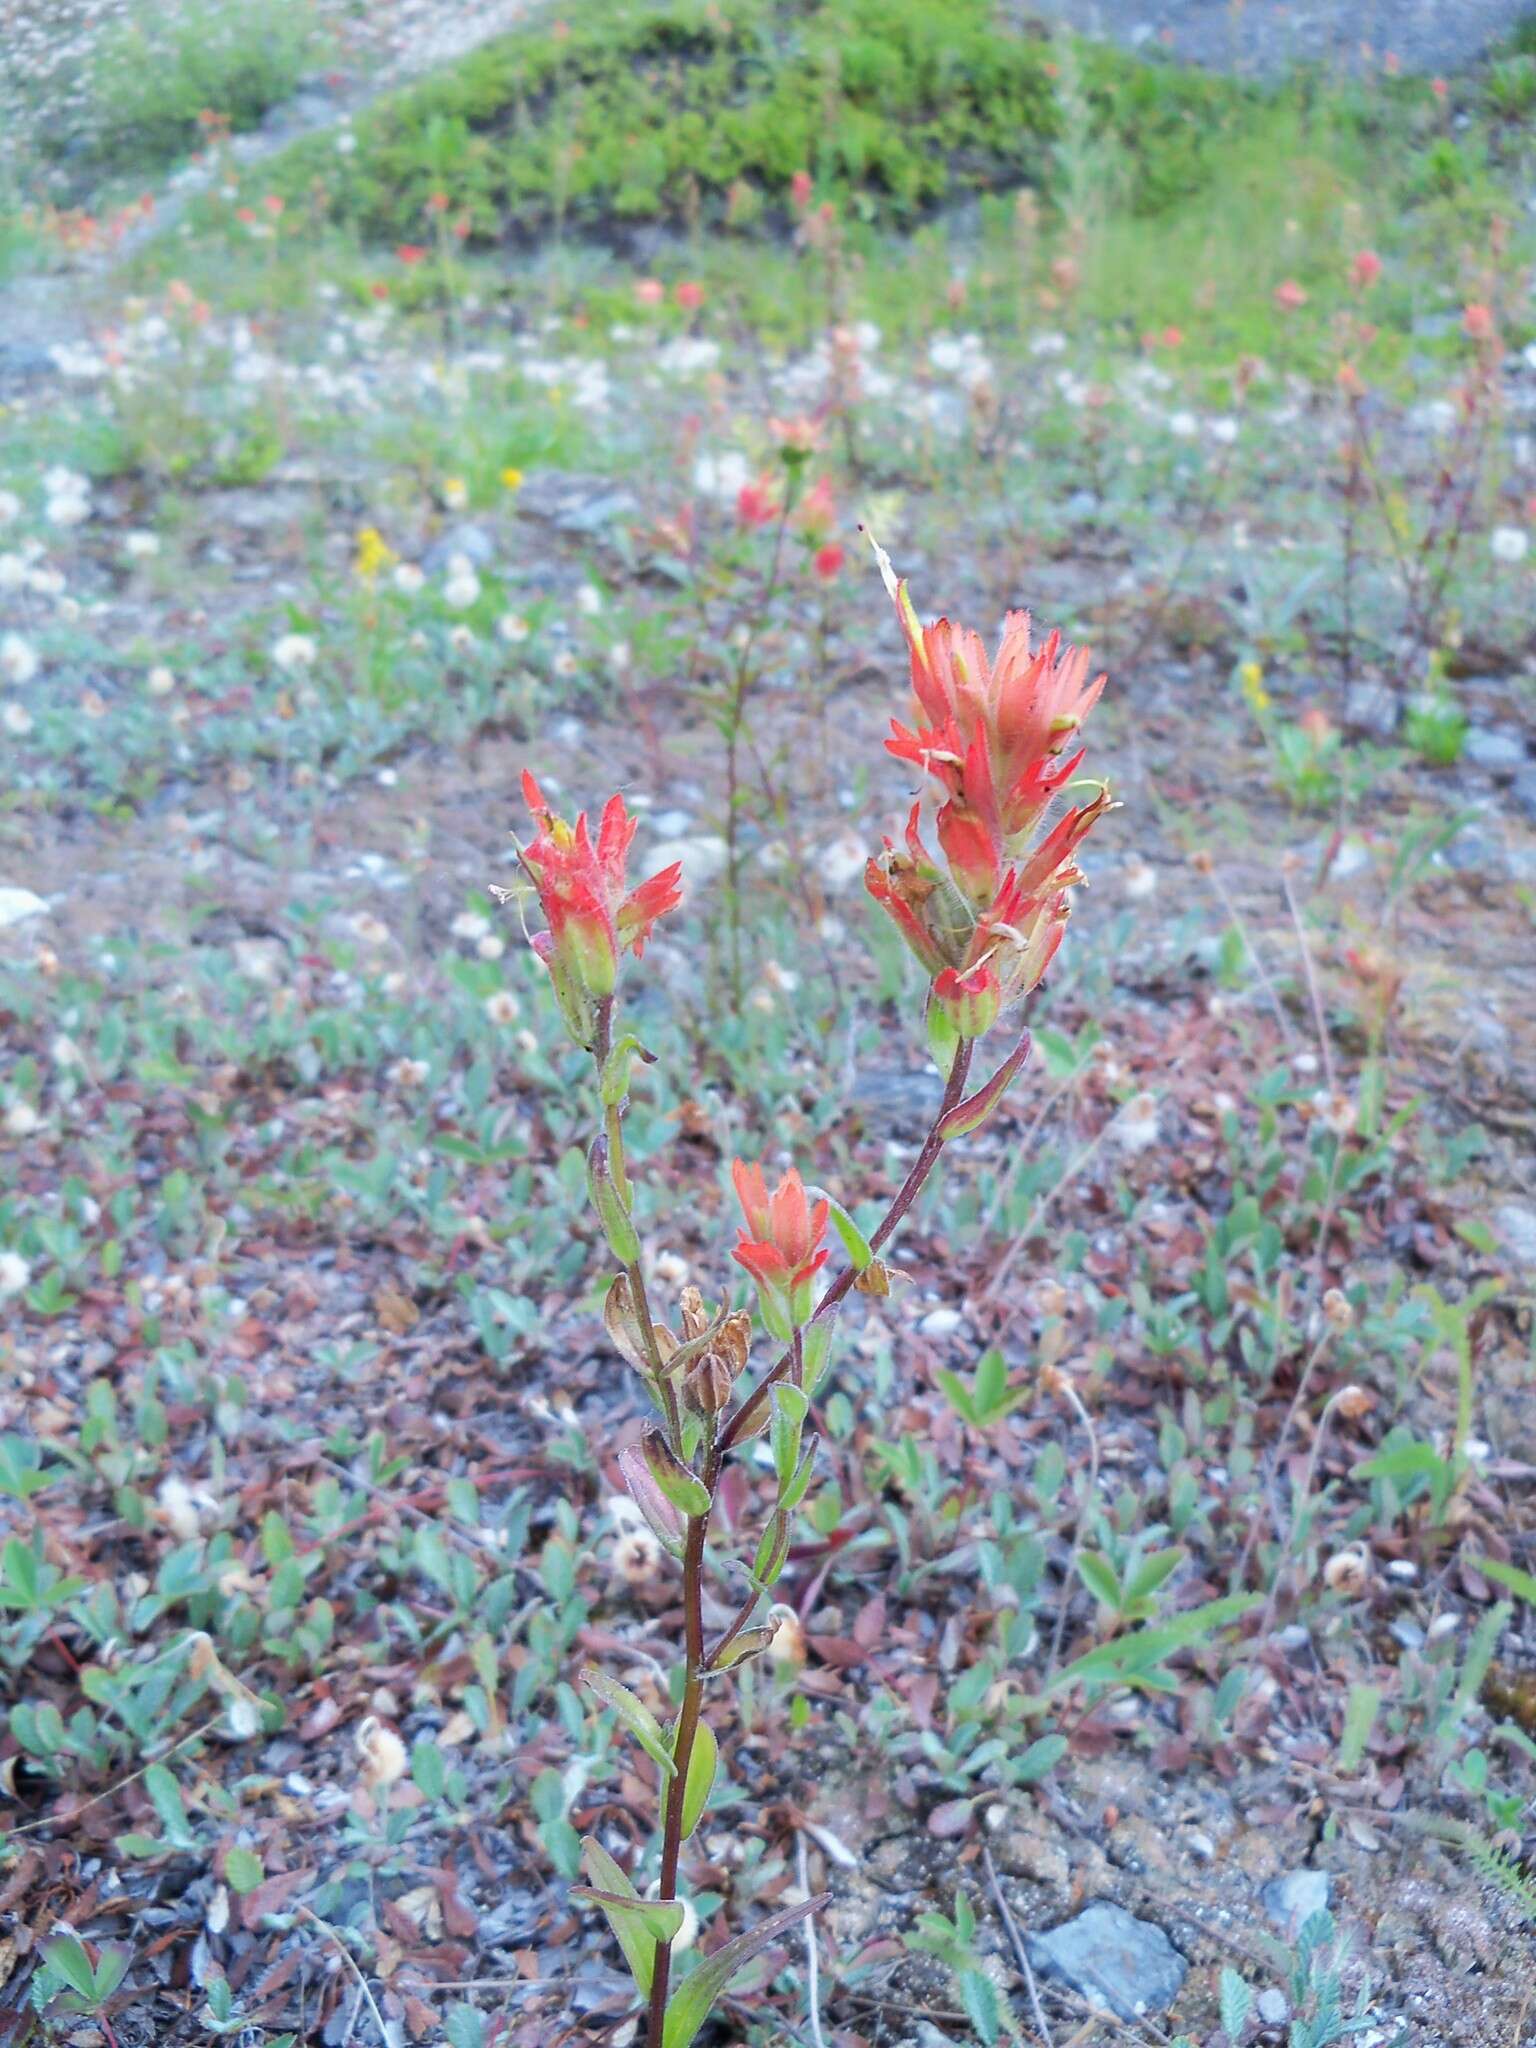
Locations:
(986, 922)
(781, 1245)
(998, 738)
(756, 504)
(591, 912)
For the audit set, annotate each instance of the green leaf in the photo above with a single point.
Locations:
(1151, 1573)
(1510, 1575)
(855, 1243)
(1236, 2002)
(1407, 1461)
(243, 1870)
(691, 2003)
(684, 1489)
(959, 1395)
(67, 1958)
(978, 1994)
(636, 1716)
(165, 1797)
(971, 1114)
(789, 1409)
(1098, 1575)
(464, 2027)
(1360, 1711)
(702, 1761)
(1042, 1755)
(612, 1891)
(1134, 1656)
(429, 1768)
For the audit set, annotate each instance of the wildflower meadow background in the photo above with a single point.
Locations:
(741, 1300)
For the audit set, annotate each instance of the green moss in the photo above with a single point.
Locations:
(682, 112)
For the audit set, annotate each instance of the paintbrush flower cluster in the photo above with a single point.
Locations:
(985, 916)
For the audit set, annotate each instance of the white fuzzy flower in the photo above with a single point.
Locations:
(462, 586)
(15, 1274)
(18, 659)
(502, 1008)
(21, 1119)
(1509, 543)
(470, 924)
(10, 507)
(141, 545)
(16, 719)
(160, 681)
(512, 627)
(293, 652)
(407, 578)
(589, 599)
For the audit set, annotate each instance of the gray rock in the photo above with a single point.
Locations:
(1113, 1960)
(1290, 1901)
(1516, 1226)
(472, 542)
(1523, 790)
(1373, 708)
(574, 502)
(1476, 850)
(1501, 753)
(597, 513)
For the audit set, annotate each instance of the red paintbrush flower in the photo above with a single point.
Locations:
(591, 912)
(781, 1245)
(986, 923)
(997, 733)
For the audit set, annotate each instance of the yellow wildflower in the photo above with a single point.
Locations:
(455, 493)
(1251, 676)
(512, 478)
(374, 554)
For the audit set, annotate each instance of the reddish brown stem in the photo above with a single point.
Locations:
(908, 1193)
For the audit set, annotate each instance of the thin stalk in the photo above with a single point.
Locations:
(741, 683)
(682, 1745)
(613, 1126)
(742, 1421)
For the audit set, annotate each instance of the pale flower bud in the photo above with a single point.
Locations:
(382, 1753)
(1348, 1572)
(1337, 1310)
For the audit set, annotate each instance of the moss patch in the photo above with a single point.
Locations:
(684, 112)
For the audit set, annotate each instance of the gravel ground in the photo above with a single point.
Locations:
(1269, 35)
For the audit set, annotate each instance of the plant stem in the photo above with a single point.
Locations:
(613, 1126)
(741, 683)
(906, 1195)
(682, 1743)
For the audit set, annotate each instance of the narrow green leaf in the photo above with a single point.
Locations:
(636, 1716)
(610, 1882)
(855, 1243)
(691, 2003)
(703, 1759)
(1510, 1575)
(1152, 1571)
(1360, 1711)
(638, 1924)
(971, 1114)
(1136, 1654)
